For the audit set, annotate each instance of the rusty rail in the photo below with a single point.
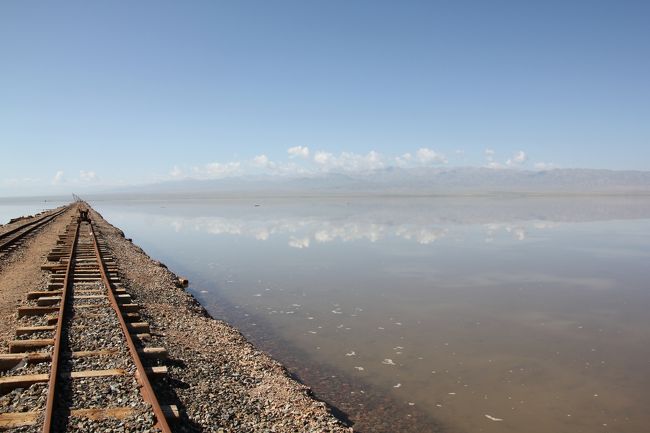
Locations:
(6, 238)
(81, 260)
(147, 390)
(54, 368)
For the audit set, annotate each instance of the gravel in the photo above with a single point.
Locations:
(221, 382)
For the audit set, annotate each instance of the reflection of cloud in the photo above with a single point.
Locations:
(519, 231)
(350, 232)
(299, 242)
(422, 235)
(544, 225)
(520, 234)
(261, 233)
(302, 231)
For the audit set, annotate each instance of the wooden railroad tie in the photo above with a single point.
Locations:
(24, 419)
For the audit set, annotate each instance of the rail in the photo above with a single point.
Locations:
(10, 237)
(84, 286)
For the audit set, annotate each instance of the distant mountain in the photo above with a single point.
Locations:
(462, 180)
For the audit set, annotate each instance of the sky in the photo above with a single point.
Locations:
(100, 94)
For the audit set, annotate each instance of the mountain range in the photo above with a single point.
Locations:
(423, 180)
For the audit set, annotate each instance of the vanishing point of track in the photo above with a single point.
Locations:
(83, 344)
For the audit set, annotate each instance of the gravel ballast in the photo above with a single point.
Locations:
(219, 380)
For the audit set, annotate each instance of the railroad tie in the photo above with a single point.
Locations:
(25, 419)
(84, 287)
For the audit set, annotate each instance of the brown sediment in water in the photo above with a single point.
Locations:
(219, 380)
(368, 407)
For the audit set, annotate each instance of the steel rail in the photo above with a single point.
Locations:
(35, 224)
(54, 368)
(141, 375)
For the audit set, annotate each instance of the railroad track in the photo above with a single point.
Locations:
(79, 361)
(12, 238)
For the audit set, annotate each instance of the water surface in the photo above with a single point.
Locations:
(425, 314)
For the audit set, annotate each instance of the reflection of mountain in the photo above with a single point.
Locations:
(423, 180)
(308, 220)
(422, 210)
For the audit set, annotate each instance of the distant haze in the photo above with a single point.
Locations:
(416, 181)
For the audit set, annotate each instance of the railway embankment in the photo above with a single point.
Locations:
(218, 380)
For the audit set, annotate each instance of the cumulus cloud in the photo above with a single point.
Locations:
(489, 158)
(301, 160)
(176, 172)
(427, 156)
(323, 158)
(301, 151)
(403, 160)
(348, 161)
(517, 159)
(262, 161)
(58, 178)
(87, 176)
(494, 164)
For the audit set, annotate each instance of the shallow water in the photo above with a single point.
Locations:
(13, 208)
(426, 314)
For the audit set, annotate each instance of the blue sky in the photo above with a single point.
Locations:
(111, 93)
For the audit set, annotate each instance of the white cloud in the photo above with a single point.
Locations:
(323, 158)
(301, 151)
(304, 162)
(428, 156)
(176, 172)
(348, 161)
(58, 178)
(403, 160)
(494, 164)
(262, 161)
(87, 176)
(517, 159)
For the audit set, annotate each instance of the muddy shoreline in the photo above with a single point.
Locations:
(219, 380)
